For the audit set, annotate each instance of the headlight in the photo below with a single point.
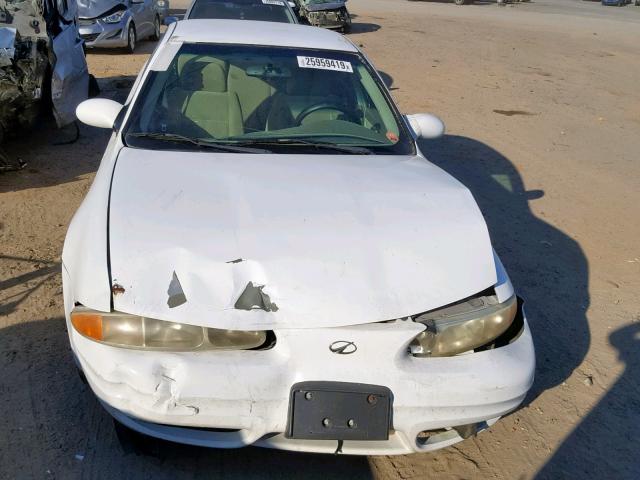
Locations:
(114, 17)
(124, 330)
(161, 3)
(463, 326)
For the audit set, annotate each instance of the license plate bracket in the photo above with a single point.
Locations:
(339, 411)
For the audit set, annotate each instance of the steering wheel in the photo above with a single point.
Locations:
(322, 106)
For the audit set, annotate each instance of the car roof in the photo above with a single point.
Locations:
(248, 32)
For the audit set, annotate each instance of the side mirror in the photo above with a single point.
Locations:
(169, 20)
(426, 126)
(292, 4)
(98, 112)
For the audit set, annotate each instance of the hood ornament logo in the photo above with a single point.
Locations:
(343, 347)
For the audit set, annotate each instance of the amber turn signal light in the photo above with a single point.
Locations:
(88, 324)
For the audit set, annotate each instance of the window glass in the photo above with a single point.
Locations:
(260, 10)
(245, 94)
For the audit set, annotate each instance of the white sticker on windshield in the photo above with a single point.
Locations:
(280, 3)
(325, 64)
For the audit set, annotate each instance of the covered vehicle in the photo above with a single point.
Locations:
(120, 23)
(42, 63)
(266, 257)
(260, 10)
(325, 13)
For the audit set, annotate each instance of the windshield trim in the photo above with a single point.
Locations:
(405, 133)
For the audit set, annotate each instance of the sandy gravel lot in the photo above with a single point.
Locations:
(542, 104)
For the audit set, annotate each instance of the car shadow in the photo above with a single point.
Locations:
(46, 408)
(547, 267)
(57, 156)
(32, 274)
(144, 47)
(363, 27)
(609, 432)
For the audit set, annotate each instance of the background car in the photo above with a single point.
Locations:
(619, 3)
(112, 23)
(261, 10)
(42, 65)
(325, 13)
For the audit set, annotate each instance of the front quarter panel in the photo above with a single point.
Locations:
(84, 255)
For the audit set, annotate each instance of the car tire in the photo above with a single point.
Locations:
(155, 36)
(459, 2)
(132, 39)
(346, 29)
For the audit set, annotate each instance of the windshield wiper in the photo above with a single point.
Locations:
(308, 143)
(174, 137)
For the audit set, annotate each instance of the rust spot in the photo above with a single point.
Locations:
(117, 289)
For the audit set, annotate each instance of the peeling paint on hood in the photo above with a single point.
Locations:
(334, 240)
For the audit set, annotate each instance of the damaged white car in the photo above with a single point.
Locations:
(266, 258)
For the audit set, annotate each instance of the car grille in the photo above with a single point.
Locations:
(83, 22)
(90, 37)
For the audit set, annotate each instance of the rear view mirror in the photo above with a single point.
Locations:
(169, 20)
(426, 126)
(98, 112)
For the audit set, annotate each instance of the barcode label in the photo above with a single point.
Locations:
(325, 64)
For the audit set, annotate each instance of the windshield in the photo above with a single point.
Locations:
(260, 10)
(284, 97)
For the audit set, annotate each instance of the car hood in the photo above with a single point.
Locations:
(251, 241)
(97, 8)
(323, 6)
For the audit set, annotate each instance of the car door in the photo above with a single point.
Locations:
(143, 14)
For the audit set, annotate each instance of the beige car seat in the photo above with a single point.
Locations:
(202, 97)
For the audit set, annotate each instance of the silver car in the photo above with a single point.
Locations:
(116, 23)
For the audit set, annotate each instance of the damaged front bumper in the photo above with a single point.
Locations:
(97, 33)
(230, 399)
(332, 19)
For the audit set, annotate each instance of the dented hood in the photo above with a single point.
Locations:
(251, 241)
(96, 8)
(318, 7)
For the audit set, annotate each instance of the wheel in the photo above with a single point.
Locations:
(155, 36)
(131, 38)
(460, 2)
(637, 4)
(347, 28)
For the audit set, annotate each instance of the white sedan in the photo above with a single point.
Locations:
(266, 258)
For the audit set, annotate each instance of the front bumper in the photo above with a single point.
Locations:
(332, 19)
(100, 34)
(236, 399)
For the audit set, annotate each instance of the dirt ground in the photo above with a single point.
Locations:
(542, 105)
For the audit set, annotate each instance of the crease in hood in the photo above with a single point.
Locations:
(90, 9)
(330, 240)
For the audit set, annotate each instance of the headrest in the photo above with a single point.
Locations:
(199, 73)
(214, 78)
